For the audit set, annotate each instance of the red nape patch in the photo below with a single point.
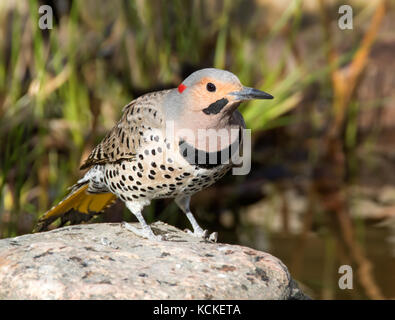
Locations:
(181, 88)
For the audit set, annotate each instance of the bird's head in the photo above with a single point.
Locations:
(209, 95)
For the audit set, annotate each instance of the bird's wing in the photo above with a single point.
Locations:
(126, 137)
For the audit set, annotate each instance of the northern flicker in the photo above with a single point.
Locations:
(156, 151)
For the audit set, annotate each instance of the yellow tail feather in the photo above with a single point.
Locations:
(79, 201)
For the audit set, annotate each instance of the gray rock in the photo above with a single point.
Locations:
(105, 261)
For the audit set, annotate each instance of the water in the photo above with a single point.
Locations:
(316, 264)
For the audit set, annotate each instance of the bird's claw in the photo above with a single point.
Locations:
(204, 234)
(144, 232)
(213, 237)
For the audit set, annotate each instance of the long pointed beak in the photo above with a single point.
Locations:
(250, 94)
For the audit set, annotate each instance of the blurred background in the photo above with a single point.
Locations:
(321, 192)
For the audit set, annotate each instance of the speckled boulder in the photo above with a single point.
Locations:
(105, 261)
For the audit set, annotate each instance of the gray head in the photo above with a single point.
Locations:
(211, 74)
(208, 95)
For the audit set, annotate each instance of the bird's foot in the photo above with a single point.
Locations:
(204, 234)
(146, 232)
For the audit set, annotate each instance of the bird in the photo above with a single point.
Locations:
(161, 148)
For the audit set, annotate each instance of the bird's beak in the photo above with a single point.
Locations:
(249, 94)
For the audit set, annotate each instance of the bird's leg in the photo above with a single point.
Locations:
(183, 203)
(145, 232)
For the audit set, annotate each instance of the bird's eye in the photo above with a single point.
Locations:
(211, 87)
